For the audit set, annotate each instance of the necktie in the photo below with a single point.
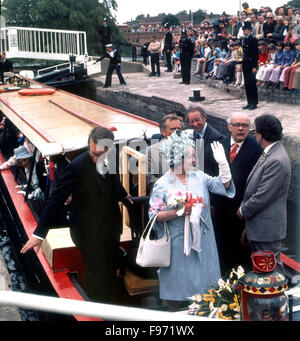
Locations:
(233, 152)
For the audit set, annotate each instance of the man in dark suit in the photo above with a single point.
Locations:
(95, 222)
(203, 135)
(265, 200)
(186, 55)
(250, 66)
(242, 152)
(105, 34)
(168, 46)
(6, 65)
(114, 64)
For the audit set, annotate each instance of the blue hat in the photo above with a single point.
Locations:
(22, 153)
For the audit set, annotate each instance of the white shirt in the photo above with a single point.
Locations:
(232, 142)
(269, 147)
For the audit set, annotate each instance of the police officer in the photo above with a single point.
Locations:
(186, 55)
(105, 34)
(250, 66)
(168, 46)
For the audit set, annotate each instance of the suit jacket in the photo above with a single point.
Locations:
(265, 199)
(105, 34)
(157, 166)
(186, 48)
(210, 165)
(250, 48)
(226, 208)
(95, 213)
(168, 41)
(243, 164)
(6, 66)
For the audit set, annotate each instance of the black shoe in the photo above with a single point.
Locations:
(106, 86)
(168, 70)
(246, 107)
(252, 107)
(152, 74)
(158, 75)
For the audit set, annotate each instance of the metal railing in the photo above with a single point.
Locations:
(102, 311)
(96, 310)
(39, 43)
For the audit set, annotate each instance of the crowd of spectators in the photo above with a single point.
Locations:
(219, 52)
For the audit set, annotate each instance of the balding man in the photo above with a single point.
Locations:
(242, 152)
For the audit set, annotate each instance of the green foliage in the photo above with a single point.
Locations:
(171, 19)
(198, 16)
(77, 15)
(294, 3)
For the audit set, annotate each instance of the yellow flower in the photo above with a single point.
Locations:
(220, 315)
(235, 304)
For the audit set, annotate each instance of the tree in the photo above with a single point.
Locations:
(198, 16)
(75, 15)
(171, 19)
(294, 3)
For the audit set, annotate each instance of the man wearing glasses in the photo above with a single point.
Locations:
(269, 25)
(95, 223)
(242, 152)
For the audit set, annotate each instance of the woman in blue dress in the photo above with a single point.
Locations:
(194, 267)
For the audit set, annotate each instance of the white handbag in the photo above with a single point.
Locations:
(154, 253)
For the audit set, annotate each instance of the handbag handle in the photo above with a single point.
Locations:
(166, 230)
(150, 223)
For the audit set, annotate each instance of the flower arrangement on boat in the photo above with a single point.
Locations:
(222, 302)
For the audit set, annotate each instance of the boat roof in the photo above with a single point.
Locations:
(61, 122)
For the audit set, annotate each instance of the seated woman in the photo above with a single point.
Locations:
(12, 160)
(287, 59)
(24, 159)
(194, 264)
(263, 56)
(266, 69)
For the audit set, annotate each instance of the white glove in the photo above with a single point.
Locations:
(220, 157)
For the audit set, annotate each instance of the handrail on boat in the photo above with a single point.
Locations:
(97, 310)
(80, 116)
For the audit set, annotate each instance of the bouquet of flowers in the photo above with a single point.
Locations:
(222, 302)
(184, 201)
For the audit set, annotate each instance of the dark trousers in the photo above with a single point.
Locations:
(100, 270)
(186, 64)
(230, 75)
(155, 63)
(145, 59)
(109, 73)
(168, 58)
(250, 87)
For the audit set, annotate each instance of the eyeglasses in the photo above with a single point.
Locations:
(269, 18)
(243, 125)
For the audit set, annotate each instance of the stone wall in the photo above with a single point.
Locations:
(264, 94)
